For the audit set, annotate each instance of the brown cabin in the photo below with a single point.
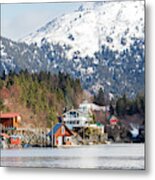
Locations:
(10, 120)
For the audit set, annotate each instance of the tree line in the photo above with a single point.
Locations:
(45, 94)
(122, 105)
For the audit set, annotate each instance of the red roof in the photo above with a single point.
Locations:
(9, 115)
(113, 120)
(5, 135)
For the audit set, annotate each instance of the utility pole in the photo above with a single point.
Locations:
(83, 134)
(52, 134)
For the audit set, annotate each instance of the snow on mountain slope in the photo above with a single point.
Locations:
(102, 44)
(16, 56)
(114, 24)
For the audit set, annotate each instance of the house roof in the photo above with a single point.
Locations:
(113, 119)
(9, 115)
(4, 135)
(56, 127)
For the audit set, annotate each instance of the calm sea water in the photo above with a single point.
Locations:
(112, 156)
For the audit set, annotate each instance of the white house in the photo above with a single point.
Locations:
(88, 107)
(81, 117)
(76, 118)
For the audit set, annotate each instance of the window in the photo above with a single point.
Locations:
(73, 114)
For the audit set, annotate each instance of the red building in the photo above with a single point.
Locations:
(10, 120)
(15, 140)
(60, 135)
(113, 120)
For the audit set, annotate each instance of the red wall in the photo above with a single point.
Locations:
(59, 132)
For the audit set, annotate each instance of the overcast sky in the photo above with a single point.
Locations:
(18, 20)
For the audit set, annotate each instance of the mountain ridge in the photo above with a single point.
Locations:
(106, 56)
(86, 29)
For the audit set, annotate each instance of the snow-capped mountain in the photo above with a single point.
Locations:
(110, 23)
(101, 43)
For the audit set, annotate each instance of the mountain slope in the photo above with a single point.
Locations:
(110, 23)
(16, 56)
(101, 43)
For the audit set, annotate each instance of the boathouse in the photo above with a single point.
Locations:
(10, 120)
(60, 135)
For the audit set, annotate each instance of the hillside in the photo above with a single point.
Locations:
(39, 98)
